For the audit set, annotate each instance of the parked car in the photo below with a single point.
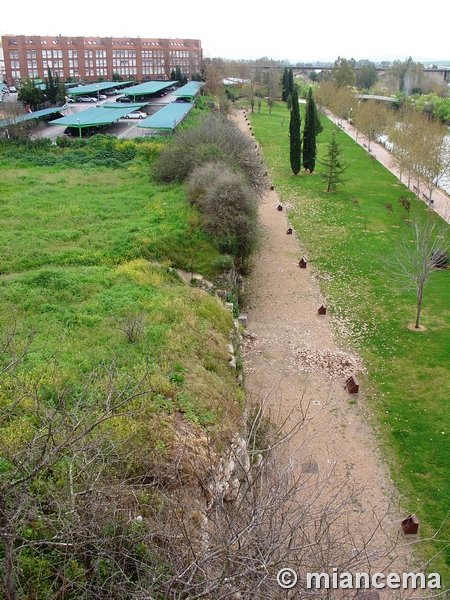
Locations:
(102, 97)
(135, 115)
(12, 89)
(70, 100)
(86, 99)
(124, 99)
(75, 131)
(110, 92)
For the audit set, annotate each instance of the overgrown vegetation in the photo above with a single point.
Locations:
(228, 207)
(110, 366)
(225, 175)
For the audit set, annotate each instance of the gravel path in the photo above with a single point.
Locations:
(292, 358)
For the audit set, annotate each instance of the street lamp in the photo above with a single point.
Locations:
(79, 126)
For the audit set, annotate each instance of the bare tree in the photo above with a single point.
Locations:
(273, 86)
(420, 253)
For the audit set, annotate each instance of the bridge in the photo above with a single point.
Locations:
(444, 72)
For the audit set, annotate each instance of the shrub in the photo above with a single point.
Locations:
(215, 139)
(228, 206)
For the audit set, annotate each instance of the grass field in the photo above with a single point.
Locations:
(78, 266)
(347, 236)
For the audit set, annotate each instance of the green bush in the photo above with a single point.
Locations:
(228, 207)
(215, 139)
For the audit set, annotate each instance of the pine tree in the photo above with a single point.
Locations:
(311, 129)
(334, 164)
(295, 139)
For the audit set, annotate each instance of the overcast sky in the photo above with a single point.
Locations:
(234, 29)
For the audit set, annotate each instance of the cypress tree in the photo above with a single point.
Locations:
(284, 85)
(290, 82)
(311, 129)
(295, 139)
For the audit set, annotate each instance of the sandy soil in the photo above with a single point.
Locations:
(292, 358)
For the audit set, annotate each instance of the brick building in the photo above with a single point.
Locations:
(91, 58)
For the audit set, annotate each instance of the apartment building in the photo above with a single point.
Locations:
(91, 58)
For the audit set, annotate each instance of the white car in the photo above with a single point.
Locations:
(135, 115)
(86, 99)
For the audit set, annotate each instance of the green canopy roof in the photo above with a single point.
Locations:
(35, 115)
(190, 90)
(167, 117)
(93, 88)
(93, 117)
(150, 87)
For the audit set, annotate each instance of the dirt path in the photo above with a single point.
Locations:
(292, 356)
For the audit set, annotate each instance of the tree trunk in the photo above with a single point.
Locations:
(419, 305)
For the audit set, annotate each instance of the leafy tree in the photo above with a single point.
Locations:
(51, 87)
(311, 129)
(343, 102)
(177, 75)
(295, 139)
(406, 74)
(334, 164)
(371, 119)
(343, 72)
(116, 77)
(213, 74)
(366, 76)
(30, 94)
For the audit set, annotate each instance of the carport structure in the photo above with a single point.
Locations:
(39, 114)
(94, 88)
(97, 116)
(167, 118)
(147, 89)
(191, 90)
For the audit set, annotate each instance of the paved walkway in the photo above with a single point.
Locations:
(441, 200)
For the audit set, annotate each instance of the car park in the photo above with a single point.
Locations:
(124, 99)
(136, 115)
(86, 99)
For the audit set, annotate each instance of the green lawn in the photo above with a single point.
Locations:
(346, 236)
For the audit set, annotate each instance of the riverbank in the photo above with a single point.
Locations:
(440, 199)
